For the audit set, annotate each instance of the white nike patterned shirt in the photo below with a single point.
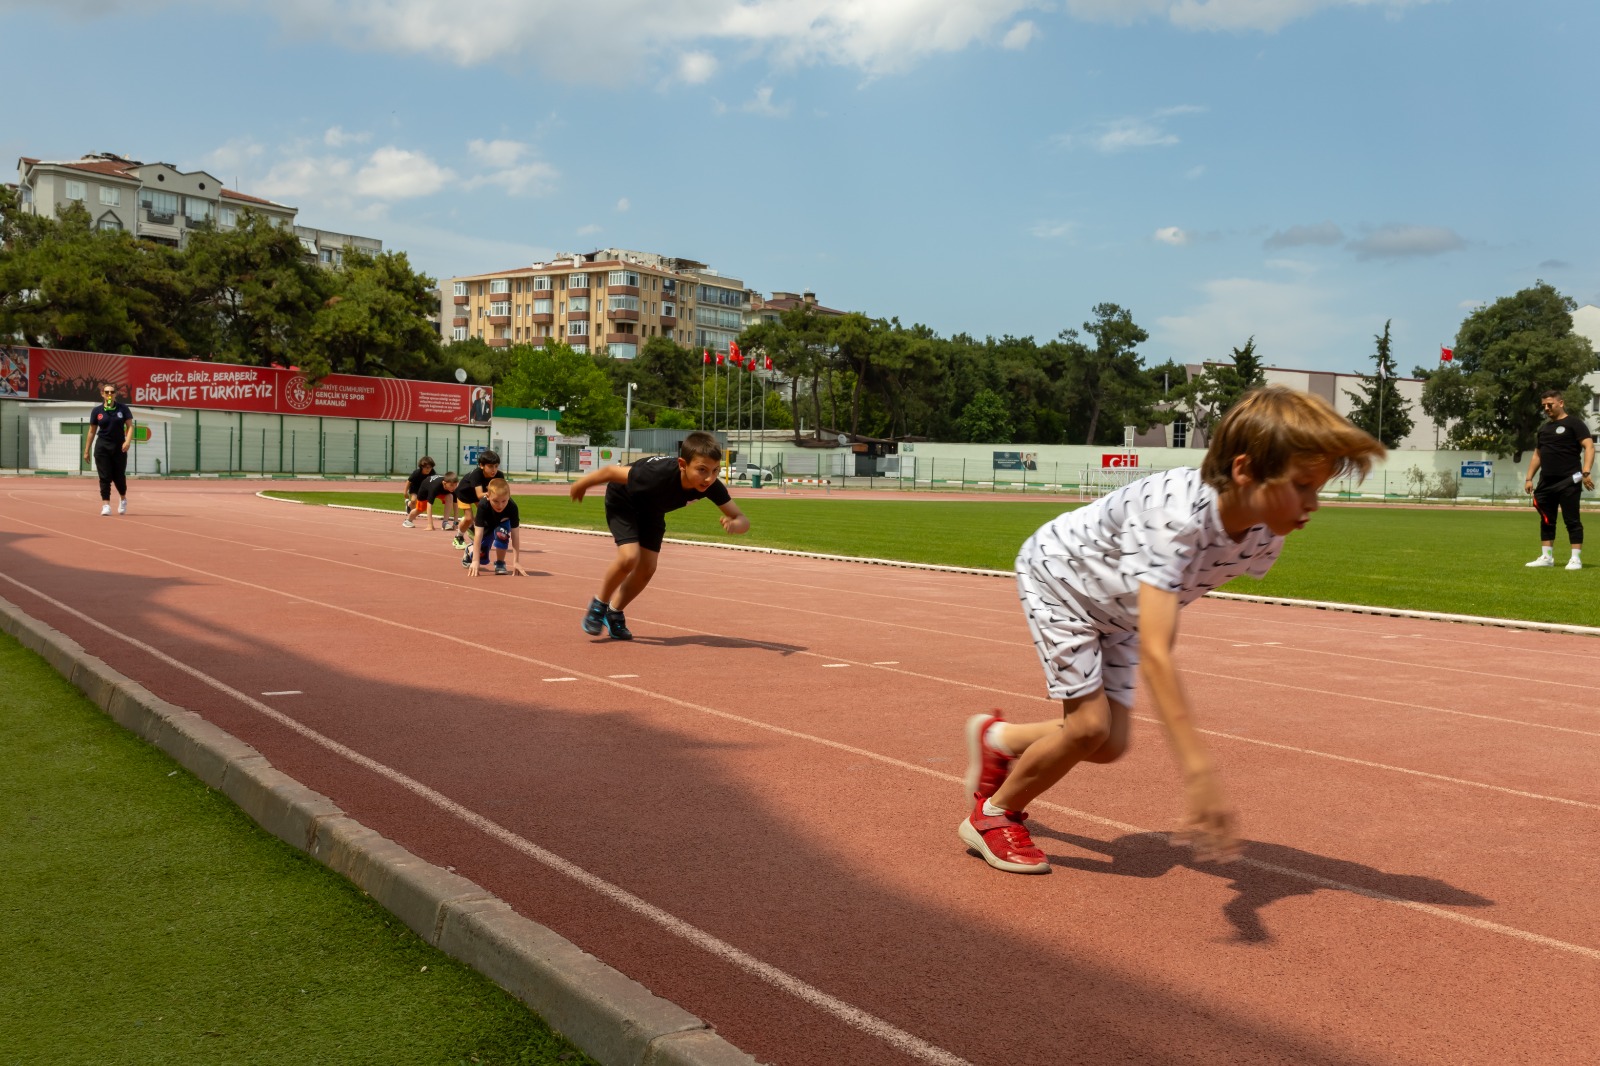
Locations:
(1163, 530)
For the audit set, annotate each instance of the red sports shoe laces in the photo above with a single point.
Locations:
(1003, 841)
(986, 768)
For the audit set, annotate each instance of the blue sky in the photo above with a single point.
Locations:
(1299, 170)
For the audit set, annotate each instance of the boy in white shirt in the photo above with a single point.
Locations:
(1102, 586)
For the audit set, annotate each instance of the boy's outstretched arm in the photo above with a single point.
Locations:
(1209, 824)
(516, 553)
(733, 520)
(604, 476)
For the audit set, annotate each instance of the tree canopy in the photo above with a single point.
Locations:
(1378, 406)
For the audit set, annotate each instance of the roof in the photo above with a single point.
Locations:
(231, 194)
(95, 166)
(790, 303)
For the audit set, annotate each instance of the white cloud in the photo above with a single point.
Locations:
(623, 205)
(1267, 16)
(508, 169)
(1299, 236)
(336, 137)
(298, 178)
(696, 68)
(1291, 321)
(1172, 235)
(497, 153)
(233, 160)
(1051, 230)
(1124, 134)
(584, 231)
(393, 173)
(1195, 172)
(1407, 242)
(1293, 266)
(1020, 36)
(762, 105)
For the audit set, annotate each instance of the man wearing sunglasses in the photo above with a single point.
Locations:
(111, 433)
(1563, 457)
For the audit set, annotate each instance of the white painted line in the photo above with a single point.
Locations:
(888, 662)
(1244, 645)
(834, 666)
(558, 679)
(617, 676)
(1273, 643)
(853, 1016)
(285, 692)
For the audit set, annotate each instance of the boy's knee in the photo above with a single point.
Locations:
(1111, 749)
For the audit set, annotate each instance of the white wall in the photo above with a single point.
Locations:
(51, 447)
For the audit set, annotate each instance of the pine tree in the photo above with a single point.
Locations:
(1379, 408)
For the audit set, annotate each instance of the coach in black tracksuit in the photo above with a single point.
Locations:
(111, 432)
(1563, 457)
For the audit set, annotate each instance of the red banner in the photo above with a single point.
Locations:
(1110, 460)
(52, 374)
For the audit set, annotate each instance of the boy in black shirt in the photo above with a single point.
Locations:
(638, 497)
(431, 488)
(1563, 457)
(471, 489)
(424, 469)
(495, 525)
(110, 434)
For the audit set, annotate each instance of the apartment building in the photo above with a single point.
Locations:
(158, 202)
(769, 308)
(611, 300)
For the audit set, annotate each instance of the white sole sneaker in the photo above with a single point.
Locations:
(407, 523)
(1574, 564)
(105, 510)
(122, 507)
(1543, 560)
(974, 840)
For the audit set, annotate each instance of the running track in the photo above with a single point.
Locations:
(773, 769)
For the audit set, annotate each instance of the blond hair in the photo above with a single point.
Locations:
(498, 488)
(1274, 426)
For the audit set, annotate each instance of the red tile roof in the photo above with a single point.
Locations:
(233, 195)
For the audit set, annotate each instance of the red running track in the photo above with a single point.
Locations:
(752, 807)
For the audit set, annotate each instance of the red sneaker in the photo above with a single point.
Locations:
(1003, 841)
(986, 768)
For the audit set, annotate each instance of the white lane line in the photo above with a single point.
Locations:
(617, 676)
(1435, 911)
(888, 662)
(855, 1017)
(558, 679)
(834, 666)
(285, 692)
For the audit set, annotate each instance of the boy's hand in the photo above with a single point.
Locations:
(735, 525)
(517, 570)
(1208, 828)
(472, 571)
(576, 491)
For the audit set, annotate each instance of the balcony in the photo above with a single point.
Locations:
(622, 338)
(577, 316)
(459, 320)
(499, 320)
(543, 319)
(668, 321)
(622, 290)
(461, 301)
(622, 315)
(499, 342)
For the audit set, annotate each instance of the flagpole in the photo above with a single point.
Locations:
(702, 424)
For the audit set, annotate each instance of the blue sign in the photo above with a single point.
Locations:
(469, 452)
(1478, 468)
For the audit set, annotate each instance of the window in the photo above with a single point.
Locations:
(227, 217)
(623, 277)
(542, 284)
(623, 351)
(27, 194)
(724, 297)
(110, 197)
(542, 307)
(459, 333)
(500, 285)
(461, 288)
(577, 329)
(577, 281)
(622, 303)
(161, 206)
(712, 316)
(580, 349)
(196, 209)
(579, 303)
(669, 311)
(75, 190)
(500, 309)
(1180, 433)
(110, 223)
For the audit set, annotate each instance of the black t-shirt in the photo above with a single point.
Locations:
(488, 518)
(1560, 444)
(655, 487)
(430, 488)
(111, 426)
(467, 490)
(414, 480)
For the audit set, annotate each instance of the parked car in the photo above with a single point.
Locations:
(751, 470)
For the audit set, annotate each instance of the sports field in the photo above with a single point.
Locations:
(1425, 559)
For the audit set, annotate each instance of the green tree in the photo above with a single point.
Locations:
(375, 321)
(1109, 380)
(1506, 355)
(1379, 408)
(555, 376)
(260, 292)
(985, 419)
(1207, 397)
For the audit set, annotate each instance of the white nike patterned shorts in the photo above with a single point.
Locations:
(1077, 657)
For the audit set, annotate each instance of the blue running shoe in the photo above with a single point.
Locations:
(594, 619)
(617, 626)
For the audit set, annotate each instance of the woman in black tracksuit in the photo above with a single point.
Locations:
(110, 435)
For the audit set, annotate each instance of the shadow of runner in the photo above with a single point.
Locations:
(708, 640)
(1151, 855)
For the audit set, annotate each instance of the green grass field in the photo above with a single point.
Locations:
(145, 918)
(1457, 561)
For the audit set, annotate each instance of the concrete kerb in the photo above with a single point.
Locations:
(613, 1018)
(1279, 601)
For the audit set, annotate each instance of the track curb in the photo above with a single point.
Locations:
(1242, 597)
(611, 1017)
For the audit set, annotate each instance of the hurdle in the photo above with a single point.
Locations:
(825, 483)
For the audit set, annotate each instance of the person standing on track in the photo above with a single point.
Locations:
(110, 436)
(1101, 588)
(1563, 457)
(638, 497)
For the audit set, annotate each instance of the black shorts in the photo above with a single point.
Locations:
(628, 526)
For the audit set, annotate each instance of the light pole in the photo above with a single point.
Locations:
(627, 423)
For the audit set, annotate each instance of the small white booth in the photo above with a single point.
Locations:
(56, 429)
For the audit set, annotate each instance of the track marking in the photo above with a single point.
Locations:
(850, 1015)
(558, 679)
(888, 662)
(834, 666)
(619, 676)
(285, 692)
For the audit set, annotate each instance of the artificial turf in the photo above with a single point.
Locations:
(1458, 561)
(144, 918)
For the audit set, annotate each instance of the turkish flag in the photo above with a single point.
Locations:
(707, 357)
(769, 363)
(719, 358)
(733, 352)
(1446, 354)
(750, 363)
